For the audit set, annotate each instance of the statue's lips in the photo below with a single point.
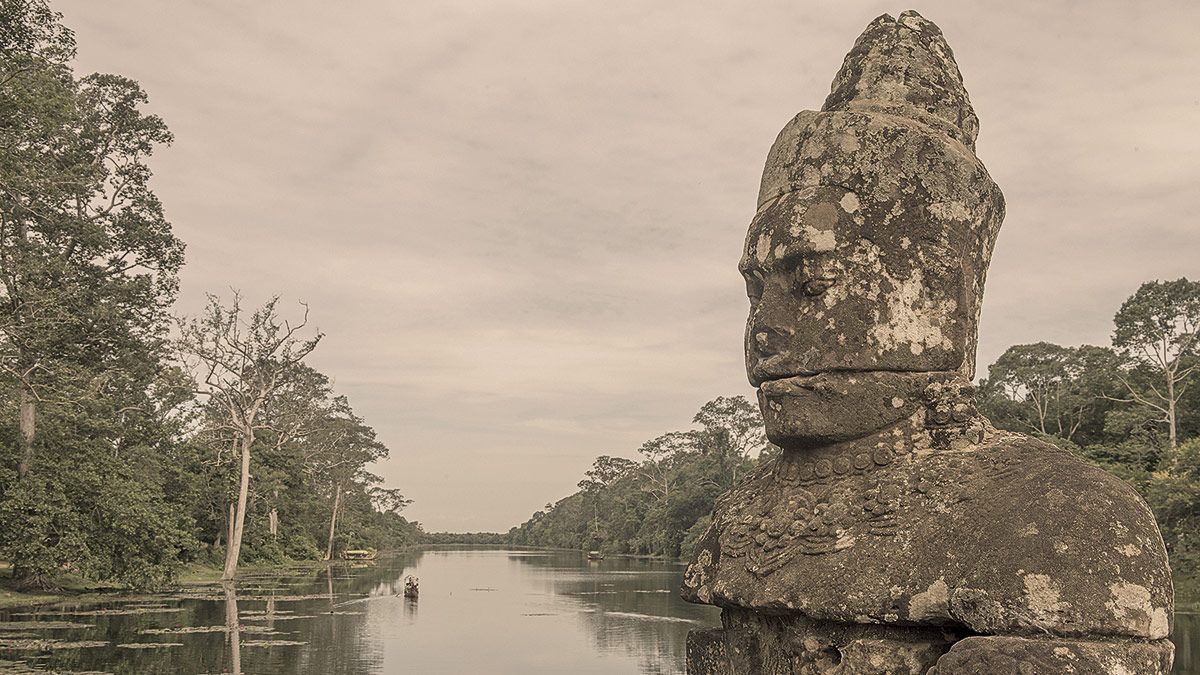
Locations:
(800, 385)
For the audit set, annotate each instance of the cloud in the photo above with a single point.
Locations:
(518, 222)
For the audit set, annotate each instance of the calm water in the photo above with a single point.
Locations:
(487, 611)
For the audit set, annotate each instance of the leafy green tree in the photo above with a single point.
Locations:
(88, 269)
(605, 471)
(732, 430)
(88, 263)
(1157, 330)
(1051, 389)
(343, 447)
(653, 506)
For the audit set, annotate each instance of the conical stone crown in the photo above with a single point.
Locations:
(904, 66)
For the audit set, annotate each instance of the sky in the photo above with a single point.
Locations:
(518, 222)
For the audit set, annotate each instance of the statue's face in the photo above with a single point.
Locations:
(847, 320)
(864, 265)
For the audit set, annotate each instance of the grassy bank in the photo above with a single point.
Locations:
(63, 587)
(210, 574)
(76, 589)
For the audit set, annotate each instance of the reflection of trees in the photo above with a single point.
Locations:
(232, 625)
(628, 606)
(338, 643)
(1186, 637)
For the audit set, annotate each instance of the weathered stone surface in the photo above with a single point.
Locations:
(1023, 656)
(706, 652)
(1006, 536)
(790, 644)
(897, 521)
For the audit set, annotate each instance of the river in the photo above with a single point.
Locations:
(479, 611)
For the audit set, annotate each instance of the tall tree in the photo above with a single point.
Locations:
(732, 430)
(1056, 390)
(242, 362)
(88, 262)
(88, 269)
(605, 471)
(345, 446)
(1157, 330)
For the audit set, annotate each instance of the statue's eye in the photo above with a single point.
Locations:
(814, 287)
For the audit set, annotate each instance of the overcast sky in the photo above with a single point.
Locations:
(518, 222)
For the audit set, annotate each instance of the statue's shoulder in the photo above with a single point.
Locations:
(1040, 490)
(1007, 535)
(1067, 545)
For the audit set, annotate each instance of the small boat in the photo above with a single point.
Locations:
(411, 587)
(595, 555)
(360, 554)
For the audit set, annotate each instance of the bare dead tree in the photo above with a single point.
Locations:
(240, 362)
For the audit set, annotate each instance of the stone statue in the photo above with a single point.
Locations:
(899, 532)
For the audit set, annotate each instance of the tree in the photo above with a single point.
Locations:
(1056, 390)
(732, 429)
(88, 263)
(88, 269)
(1157, 330)
(242, 363)
(605, 471)
(337, 454)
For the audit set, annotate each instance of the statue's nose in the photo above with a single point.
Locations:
(769, 340)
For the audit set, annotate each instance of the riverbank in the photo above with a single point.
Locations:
(65, 586)
(69, 587)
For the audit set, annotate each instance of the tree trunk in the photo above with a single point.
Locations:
(1171, 415)
(273, 516)
(337, 501)
(229, 523)
(27, 417)
(235, 539)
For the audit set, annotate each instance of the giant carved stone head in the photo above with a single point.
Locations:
(866, 259)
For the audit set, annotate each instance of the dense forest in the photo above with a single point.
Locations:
(133, 441)
(1129, 408)
(660, 504)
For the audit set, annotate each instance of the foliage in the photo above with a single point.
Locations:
(114, 463)
(1130, 410)
(1157, 329)
(243, 365)
(654, 506)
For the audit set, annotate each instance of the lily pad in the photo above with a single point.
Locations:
(271, 643)
(41, 625)
(185, 630)
(127, 610)
(149, 645)
(47, 644)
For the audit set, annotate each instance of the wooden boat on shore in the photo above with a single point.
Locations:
(360, 554)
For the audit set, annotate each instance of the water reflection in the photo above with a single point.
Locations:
(1186, 637)
(233, 627)
(487, 611)
(479, 611)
